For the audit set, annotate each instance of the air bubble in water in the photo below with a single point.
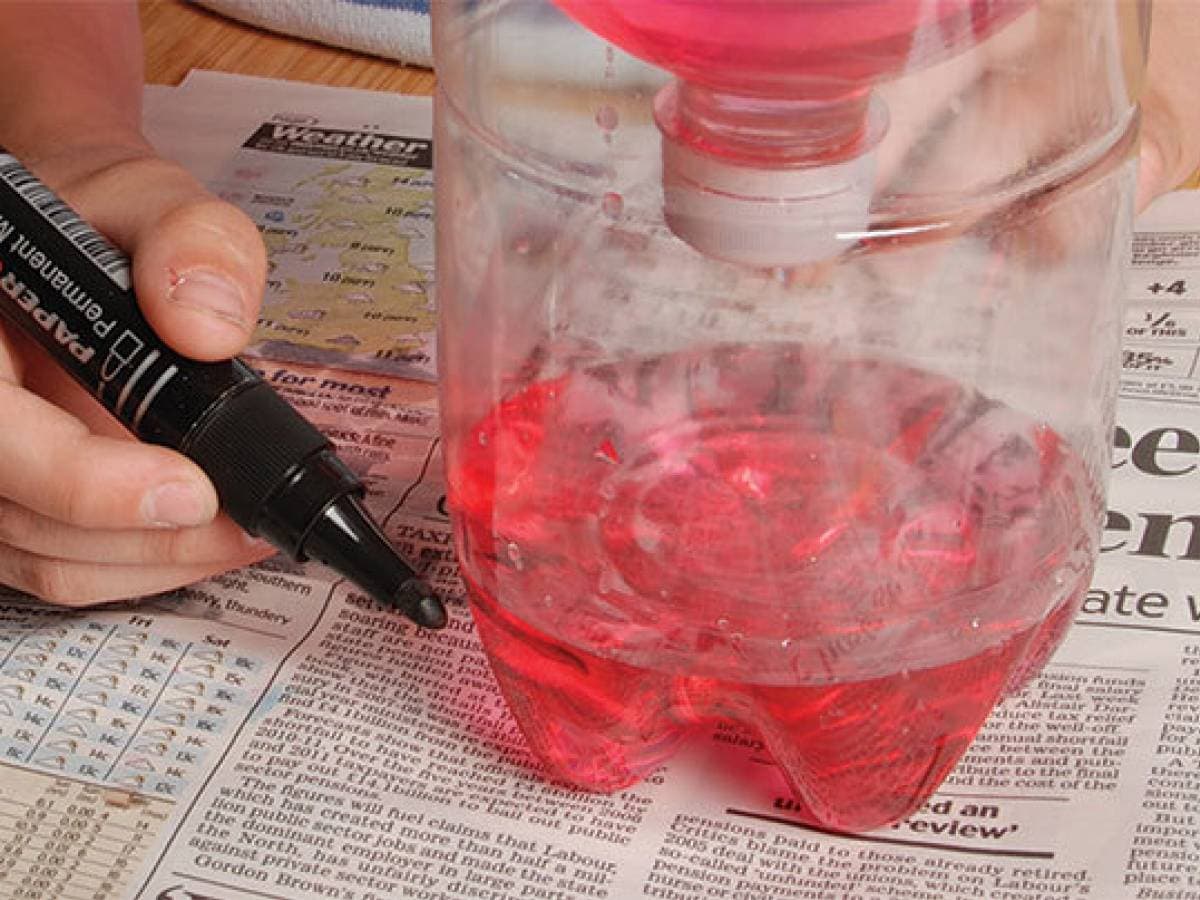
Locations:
(607, 452)
(613, 204)
(514, 555)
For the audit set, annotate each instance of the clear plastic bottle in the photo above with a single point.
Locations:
(778, 354)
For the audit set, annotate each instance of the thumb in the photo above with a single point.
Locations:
(198, 263)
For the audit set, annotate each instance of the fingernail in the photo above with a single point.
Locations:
(176, 504)
(211, 293)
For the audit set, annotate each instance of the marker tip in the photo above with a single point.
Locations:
(421, 604)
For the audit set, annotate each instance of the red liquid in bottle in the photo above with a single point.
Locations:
(780, 46)
(852, 558)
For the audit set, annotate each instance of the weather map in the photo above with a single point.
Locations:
(347, 219)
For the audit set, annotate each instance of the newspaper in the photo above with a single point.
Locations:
(272, 733)
(343, 195)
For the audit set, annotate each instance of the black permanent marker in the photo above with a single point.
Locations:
(276, 475)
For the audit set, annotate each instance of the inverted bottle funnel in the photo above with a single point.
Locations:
(769, 131)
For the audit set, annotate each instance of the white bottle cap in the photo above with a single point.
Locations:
(768, 216)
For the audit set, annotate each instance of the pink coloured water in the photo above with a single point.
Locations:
(854, 559)
(773, 46)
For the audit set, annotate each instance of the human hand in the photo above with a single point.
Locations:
(1170, 149)
(1009, 115)
(87, 514)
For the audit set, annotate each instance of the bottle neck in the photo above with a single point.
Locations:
(774, 132)
(767, 181)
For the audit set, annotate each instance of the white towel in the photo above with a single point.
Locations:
(396, 29)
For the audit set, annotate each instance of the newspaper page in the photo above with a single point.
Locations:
(343, 196)
(272, 733)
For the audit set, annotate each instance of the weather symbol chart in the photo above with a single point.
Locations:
(108, 721)
(114, 702)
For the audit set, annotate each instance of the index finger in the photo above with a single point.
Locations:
(54, 465)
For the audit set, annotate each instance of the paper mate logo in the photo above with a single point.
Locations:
(50, 322)
(338, 144)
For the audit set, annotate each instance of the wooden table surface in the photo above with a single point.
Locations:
(180, 36)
